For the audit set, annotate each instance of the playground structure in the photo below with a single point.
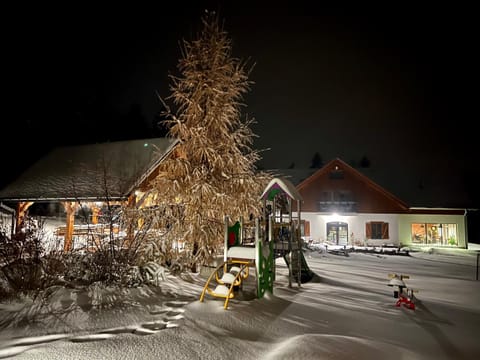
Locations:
(276, 234)
(401, 292)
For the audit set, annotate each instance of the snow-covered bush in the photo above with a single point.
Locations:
(20, 256)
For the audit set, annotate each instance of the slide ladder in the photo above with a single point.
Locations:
(225, 279)
(237, 261)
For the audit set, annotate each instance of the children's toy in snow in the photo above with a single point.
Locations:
(406, 298)
(401, 291)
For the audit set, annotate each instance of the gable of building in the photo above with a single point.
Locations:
(283, 185)
(338, 187)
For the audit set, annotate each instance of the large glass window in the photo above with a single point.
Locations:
(434, 234)
(337, 233)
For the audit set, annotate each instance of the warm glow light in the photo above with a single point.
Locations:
(334, 217)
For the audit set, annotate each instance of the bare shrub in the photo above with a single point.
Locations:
(20, 256)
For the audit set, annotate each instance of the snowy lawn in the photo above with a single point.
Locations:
(346, 312)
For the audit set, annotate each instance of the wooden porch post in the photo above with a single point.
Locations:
(95, 212)
(22, 208)
(70, 207)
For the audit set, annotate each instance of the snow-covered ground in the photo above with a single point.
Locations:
(346, 312)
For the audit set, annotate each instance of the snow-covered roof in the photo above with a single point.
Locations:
(89, 172)
(280, 184)
(296, 176)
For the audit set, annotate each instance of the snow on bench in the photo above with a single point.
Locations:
(241, 252)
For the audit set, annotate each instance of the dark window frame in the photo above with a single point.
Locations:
(377, 230)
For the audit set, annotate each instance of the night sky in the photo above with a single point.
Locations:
(387, 82)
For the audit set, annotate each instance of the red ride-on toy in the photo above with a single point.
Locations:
(406, 298)
(401, 292)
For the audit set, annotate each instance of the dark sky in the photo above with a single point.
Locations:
(387, 82)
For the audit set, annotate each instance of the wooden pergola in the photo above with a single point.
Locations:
(70, 210)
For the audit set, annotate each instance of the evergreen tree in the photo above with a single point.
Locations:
(317, 162)
(364, 162)
(160, 123)
(213, 173)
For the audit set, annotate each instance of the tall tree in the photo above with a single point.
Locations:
(213, 174)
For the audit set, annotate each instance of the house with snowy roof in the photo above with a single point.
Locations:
(343, 206)
(90, 175)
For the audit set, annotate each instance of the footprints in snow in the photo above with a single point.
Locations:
(165, 317)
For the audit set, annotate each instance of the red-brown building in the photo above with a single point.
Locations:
(342, 206)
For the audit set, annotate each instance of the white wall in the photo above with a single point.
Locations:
(6, 222)
(356, 225)
(399, 226)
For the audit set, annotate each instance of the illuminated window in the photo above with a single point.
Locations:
(434, 234)
(337, 232)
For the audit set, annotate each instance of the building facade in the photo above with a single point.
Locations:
(341, 206)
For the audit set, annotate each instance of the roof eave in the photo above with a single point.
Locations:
(152, 168)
